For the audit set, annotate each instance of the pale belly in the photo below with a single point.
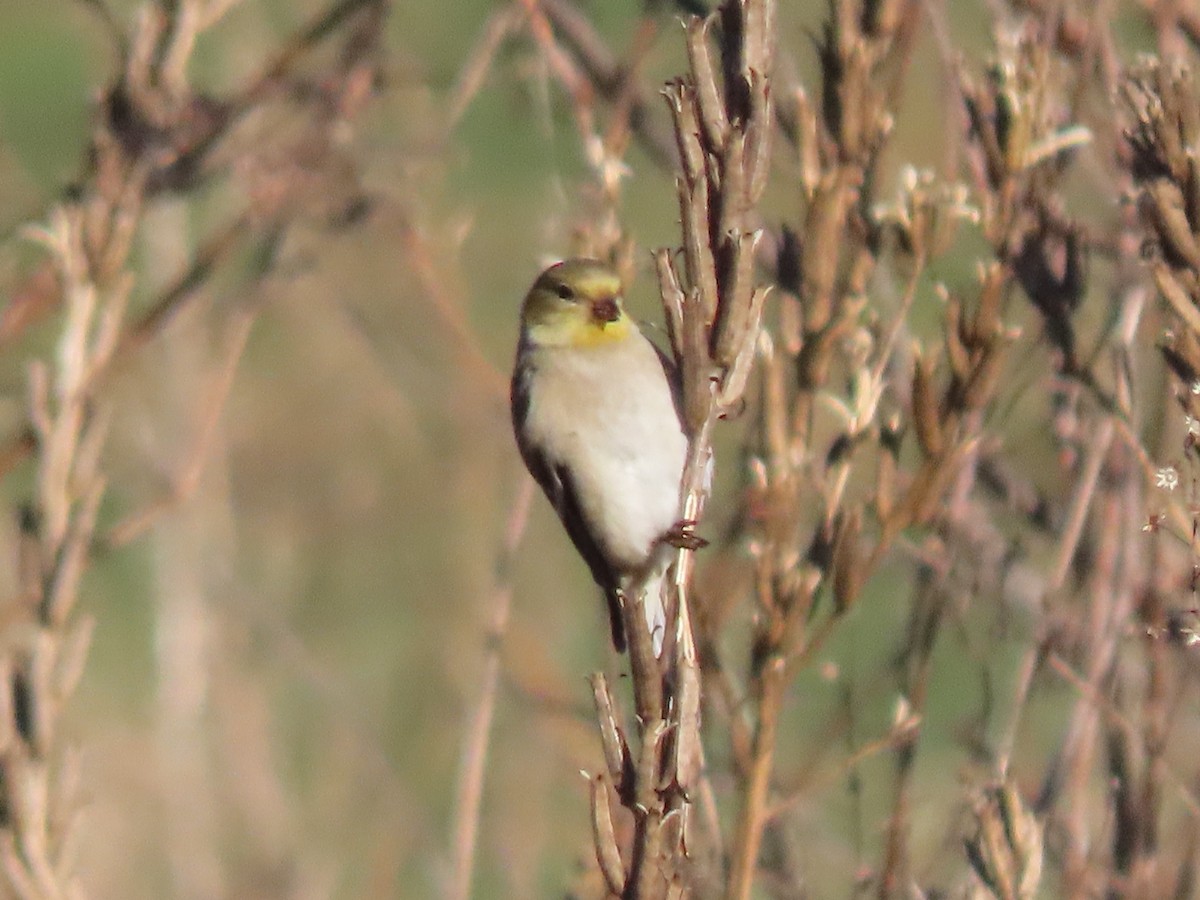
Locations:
(632, 489)
(616, 428)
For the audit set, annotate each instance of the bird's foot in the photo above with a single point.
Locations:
(682, 536)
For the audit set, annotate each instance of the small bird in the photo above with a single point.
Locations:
(595, 409)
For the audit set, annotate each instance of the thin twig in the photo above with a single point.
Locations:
(465, 829)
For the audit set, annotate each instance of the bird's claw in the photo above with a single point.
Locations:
(682, 536)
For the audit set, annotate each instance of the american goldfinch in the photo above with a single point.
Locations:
(596, 417)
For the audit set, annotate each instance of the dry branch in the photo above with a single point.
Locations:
(152, 135)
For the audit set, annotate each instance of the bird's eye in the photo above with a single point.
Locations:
(565, 292)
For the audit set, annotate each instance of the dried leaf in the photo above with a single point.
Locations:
(604, 837)
(708, 92)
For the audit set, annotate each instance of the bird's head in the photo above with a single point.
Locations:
(576, 303)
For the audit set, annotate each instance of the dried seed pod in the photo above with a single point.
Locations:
(697, 368)
(1169, 287)
(759, 129)
(791, 321)
(685, 715)
(697, 251)
(737, 301)
(648, 763)
(823, 234)
(956, 351)
(985, 324)
(776, 418)
(886, 470)
(1167, 116)
(926, 414)
(672, 297)
(612, 739)
(848, 574)
(680, 96)
(73, 655)
(604, 837)
(9, 724)
(708, 92)
(981, 386)
(1164, 206)
(807, 143)
(733, 185)
(1006, 846)
(733, 385)
(758, 29)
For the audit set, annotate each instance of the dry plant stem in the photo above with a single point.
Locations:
(615, 82)
(818, 312)
(924, 624)
(722, 130)
(713, 314)
(185, 289)
(188, 153)
(1085, 490)
(1081, 501)
(1182, 785)
(561, 65)
(844, 768)
(754, 813)
(1154, 734)
(1105, 595)
(1108, 594)
(88, 240)
(465, 831)
(474, 72)
(45, 645)
(433, 280)
(185, 483)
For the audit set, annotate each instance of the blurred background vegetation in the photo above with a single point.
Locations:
(285, 659)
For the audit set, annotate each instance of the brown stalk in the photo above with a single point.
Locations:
(714, 310)
(657, 767)
(826, 301)
(190, 132)
(615, 80)
(476, 736)
(184, 484)
(754, 811)
(807, 522)
(151, 134)
(474, 72)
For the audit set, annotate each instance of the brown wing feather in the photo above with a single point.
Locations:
(556, 482)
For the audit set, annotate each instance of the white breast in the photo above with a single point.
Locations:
(606, 413)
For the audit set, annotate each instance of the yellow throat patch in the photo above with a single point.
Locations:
(576, 327)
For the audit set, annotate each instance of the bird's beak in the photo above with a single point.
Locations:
(605, 310)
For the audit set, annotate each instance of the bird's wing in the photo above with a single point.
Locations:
(674, 379)
(556, 481)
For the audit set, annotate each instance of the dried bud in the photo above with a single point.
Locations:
(848, 574)
(1006, 847)
(604, 836)
(926, 415)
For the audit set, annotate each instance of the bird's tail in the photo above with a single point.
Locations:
(656, 617)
